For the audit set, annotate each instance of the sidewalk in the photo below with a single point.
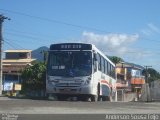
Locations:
(4, 98)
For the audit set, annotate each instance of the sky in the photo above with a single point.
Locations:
(129, 29)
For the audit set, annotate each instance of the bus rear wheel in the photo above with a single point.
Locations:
(105, 98)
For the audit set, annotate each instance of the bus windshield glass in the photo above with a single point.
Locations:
(69, 63)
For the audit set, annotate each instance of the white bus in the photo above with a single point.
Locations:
(79, 70)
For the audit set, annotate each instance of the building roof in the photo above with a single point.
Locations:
(9, 64)
(17, 51)
(132, 65)
(17, 60)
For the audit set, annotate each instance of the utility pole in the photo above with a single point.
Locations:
(147, 82)
(2, 18)
(146, 73)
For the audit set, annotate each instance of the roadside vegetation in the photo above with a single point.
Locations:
(115, 59)
(34, 79)
(153, 75)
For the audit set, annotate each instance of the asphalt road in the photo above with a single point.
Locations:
(73, 109)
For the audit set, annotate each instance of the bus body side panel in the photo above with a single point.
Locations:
(104, 84)
(95, 82)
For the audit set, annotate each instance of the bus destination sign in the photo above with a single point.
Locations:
(71, 46)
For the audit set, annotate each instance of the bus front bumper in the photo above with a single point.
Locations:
(70, 90)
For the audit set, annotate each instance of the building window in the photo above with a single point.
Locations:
(22, 55)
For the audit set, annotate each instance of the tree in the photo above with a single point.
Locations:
(34, 77)
(116, 59)
(154, 75)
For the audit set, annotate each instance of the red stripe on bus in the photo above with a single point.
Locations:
(106, 82)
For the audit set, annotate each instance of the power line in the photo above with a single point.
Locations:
(157, 41)
(11, 43)
(31, 38)
(61, 22)
(130, 52)
(8, 43)
(109, 50)
(34, 36)
(16, 43)
(26, 36)
(42, 40)
(33, 41)
(53, 20)
(29, 33)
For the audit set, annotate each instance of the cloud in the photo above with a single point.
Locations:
(117, 43)
(150, 29)
(154, 28)
(146, 32)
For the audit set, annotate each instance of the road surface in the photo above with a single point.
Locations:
(45, 107)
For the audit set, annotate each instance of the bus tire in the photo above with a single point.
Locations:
(105, 98)
(61, 98)
(95, 98)
(83, 98)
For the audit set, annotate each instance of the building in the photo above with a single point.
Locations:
(129, 78)
(13, 63)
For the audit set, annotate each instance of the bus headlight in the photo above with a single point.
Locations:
(88, 80)
(51, 79)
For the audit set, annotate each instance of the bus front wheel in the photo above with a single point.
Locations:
(83, 98)
(96, 97)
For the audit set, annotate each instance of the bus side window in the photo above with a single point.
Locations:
(95, 62)
(95, 65)
(103, 64)
(106, 67)
(111, 70)
(114, 73)
(99, 62)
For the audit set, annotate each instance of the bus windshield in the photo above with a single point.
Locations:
(70, 63)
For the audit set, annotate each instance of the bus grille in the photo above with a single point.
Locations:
(68, 84)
